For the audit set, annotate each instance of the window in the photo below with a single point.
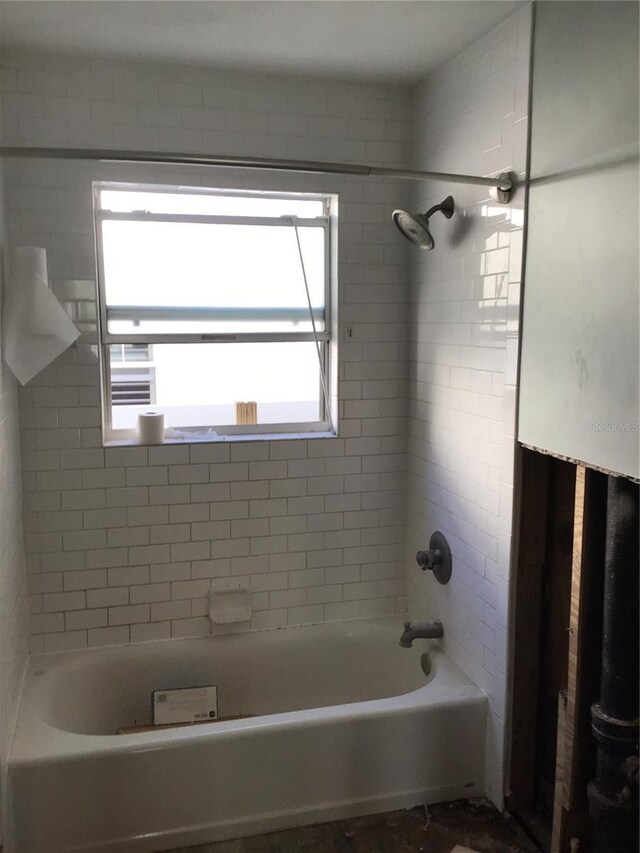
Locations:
(215, 308)
(132, 375)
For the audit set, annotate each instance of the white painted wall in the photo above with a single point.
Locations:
(470, 116)
(123, 543)
(13, 581)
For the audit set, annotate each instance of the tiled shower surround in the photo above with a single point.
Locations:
(14, 629)
(124, 542)
(470, 116)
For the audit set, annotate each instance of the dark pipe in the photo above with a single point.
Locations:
(613, 794)
(619, 684)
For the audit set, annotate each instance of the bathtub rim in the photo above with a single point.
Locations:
(36, 741)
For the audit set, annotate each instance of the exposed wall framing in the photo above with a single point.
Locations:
(558, 628)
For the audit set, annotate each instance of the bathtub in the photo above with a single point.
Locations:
(344, 722)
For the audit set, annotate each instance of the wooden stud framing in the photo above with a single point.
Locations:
(576, 746)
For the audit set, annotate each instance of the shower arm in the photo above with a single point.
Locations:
(502, 183)
(435, 209)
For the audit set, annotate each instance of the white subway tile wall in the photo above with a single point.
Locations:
(124, 542)
(14, 629)
(470, 115)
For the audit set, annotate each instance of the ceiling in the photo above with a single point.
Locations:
(393, 40)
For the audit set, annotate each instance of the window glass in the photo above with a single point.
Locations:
(199, 385)
(214, 310)
(248, 277)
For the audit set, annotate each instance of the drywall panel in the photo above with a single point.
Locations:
(579, 368)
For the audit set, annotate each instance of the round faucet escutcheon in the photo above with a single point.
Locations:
(437, 558)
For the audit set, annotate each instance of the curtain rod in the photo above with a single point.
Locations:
(503, 183)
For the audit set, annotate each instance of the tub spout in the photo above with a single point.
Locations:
(421, 631)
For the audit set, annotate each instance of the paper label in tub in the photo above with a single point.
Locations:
(185, 705)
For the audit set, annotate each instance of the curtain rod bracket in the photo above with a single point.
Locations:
(505, 188)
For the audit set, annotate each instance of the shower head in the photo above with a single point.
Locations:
(415, 226)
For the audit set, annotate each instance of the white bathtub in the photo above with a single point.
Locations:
(346, 723)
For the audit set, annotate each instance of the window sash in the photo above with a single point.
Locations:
(162, 189)
(135, 312)
(215, 337)
(113, 435)
(107, 312)
(213, 219)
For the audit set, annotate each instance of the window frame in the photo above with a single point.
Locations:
(327, 339)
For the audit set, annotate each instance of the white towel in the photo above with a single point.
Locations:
(35, 327)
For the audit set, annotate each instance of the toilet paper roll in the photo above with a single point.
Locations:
(151, 428)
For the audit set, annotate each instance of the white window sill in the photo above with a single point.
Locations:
(270, 436)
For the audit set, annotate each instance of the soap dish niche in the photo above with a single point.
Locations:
(229, 604)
